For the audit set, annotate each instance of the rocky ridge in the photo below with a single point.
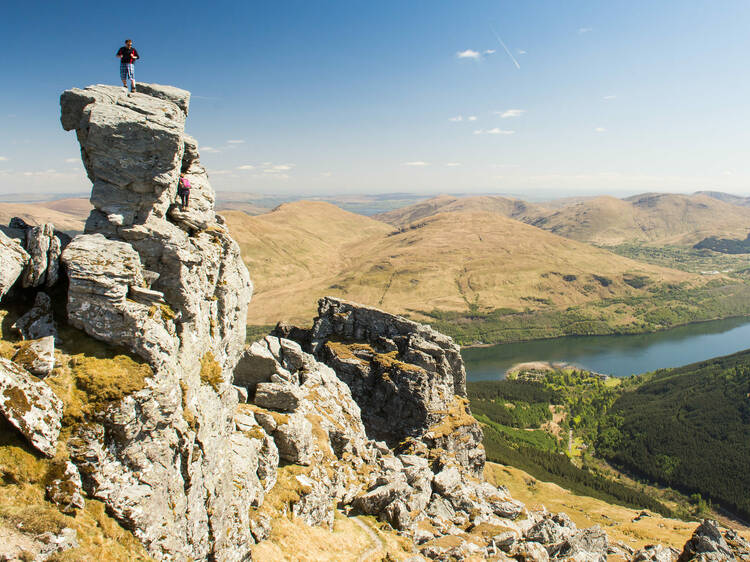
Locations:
(205, 442)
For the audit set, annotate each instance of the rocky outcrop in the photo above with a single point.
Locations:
(30, 406)
(43, 245)
(166, 460)
(101, 275)
(709, 544)
(408, 380)
(65, 490)
(45, 249)
(38, 322)
(656, 553)
(13, 260)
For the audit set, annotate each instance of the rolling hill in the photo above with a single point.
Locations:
(463, 262)
(652, 218)
(512, 208)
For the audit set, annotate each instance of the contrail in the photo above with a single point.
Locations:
(518, 66)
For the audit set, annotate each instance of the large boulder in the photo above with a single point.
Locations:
(13, 260)
(30, 406)
(45, 249)
(38, 321)
(707, 544)
(37, 356)
(101, 273)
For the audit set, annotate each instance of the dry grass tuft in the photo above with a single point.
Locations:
(211, 371)
(351, 539)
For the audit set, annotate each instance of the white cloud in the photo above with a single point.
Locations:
(511, 113)
(327, 174)
(728, 173)
(209, 149)
(600, 130)
(468, 54)
(489, 52)
(3, 159)
(520, 51)
(50, 172)
(416, 164)
(495, 131)
(609, 97)
(453, 164)
(69, 160)
(272, 169)
(246, 167)
(582, 30)
(472, 118)
(237, 141)
(456, 119)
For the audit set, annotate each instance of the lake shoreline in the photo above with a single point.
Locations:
(619, 355)
(644, 332)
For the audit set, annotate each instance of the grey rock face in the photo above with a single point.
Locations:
(39, 321)
(13, 260)
(707, 544)
(101, 273)
(408, 380)
(37, 356)
(66, 490)
(167, 460)
(30, 406)
(277, 396)
(656, 553)
(295, 440)
(45, 249)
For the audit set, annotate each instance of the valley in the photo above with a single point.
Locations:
(676, 437)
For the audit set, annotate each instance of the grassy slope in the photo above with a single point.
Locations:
(352, 539)
(464, 262)
(585, 511)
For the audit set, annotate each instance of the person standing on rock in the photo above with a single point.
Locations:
(128, 55)
(183, 190)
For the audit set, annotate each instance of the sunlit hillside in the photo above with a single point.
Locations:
(459, 261)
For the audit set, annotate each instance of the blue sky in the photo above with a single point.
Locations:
(367, 97)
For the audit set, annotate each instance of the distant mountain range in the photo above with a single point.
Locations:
(653, 218)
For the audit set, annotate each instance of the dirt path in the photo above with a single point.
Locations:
(378, 544)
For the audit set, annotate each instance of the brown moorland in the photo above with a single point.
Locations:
(451, 261)
(652, 218)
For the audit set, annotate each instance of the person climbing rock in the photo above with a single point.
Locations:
(183, 190)
(128, 55)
